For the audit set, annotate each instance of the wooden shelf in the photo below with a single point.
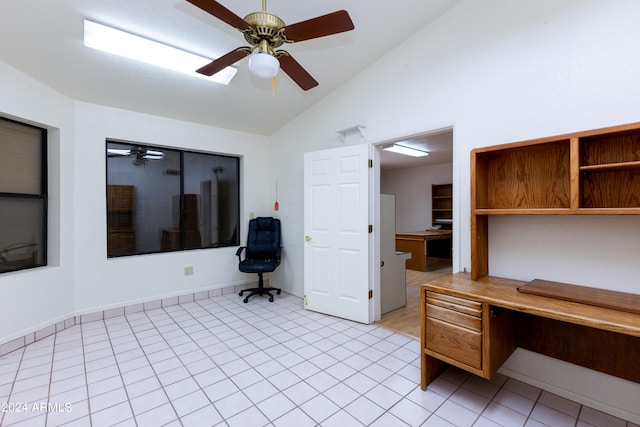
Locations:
(607, 167)
(608, 211)
(531, 211)
(443, 221)
(580, 211)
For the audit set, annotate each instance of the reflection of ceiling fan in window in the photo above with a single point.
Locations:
(140, 155)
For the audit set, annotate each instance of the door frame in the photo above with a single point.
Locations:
(375, 307)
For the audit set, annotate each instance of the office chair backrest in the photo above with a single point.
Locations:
(263, 240)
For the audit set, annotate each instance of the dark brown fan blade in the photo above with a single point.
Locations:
(295, 71)
(222, 13)
(224, 61)
(325, 25)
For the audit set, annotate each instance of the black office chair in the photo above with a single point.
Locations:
(262, 253)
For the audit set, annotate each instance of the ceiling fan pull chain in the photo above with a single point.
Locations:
(273, 87)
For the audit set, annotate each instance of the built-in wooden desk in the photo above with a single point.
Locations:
(415, 242)
(476, 325)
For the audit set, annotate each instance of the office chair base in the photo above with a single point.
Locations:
(259, 291)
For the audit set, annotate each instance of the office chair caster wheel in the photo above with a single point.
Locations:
(246, 300)
(240, 294)
(278, 292)
(270, 299)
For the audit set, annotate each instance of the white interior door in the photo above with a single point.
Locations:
(336, 224)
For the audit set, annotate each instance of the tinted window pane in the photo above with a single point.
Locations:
(23, 196)
(160, 199)
(20, 158)
(212, 208)
(141, 197)
(21, 233)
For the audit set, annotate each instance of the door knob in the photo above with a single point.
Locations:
(307, 238)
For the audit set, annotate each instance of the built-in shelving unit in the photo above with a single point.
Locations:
(442, 205)
(475, 321)
(585, 173)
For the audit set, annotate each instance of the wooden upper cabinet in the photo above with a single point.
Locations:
(523, 177)
(593, 172)
(610, 171)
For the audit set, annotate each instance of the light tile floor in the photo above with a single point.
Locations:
(220, 362)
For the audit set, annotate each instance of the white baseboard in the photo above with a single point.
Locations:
(56, 325)
(611, 395)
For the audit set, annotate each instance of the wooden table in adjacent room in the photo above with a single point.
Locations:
(416, 243)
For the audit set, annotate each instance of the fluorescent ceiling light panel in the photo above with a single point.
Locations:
(407, 151)
(118, 42)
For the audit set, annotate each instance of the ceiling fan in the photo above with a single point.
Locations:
(266, 32)
(140, 154)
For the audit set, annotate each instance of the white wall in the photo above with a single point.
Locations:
(102, 283)
(39, 298)
(497, 71)
(79, 278)
(412, 188)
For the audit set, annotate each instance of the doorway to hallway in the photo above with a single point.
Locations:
(406, 320)
(411, 181)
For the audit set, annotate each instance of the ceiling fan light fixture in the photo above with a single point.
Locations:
(407, 151)
(264, 65)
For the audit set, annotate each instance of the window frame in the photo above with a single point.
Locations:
(183, 245)
(42, 195)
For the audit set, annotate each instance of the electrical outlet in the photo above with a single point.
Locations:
(251, 215)
(188, 271)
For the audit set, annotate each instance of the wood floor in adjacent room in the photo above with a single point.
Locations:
(406, 319)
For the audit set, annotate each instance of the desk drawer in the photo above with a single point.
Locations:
(456, 342)
(454, 328)
(455, 317)
(462, 305)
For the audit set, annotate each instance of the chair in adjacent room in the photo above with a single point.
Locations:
(262, 253)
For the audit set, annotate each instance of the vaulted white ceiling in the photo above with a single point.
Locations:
(44, 39)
